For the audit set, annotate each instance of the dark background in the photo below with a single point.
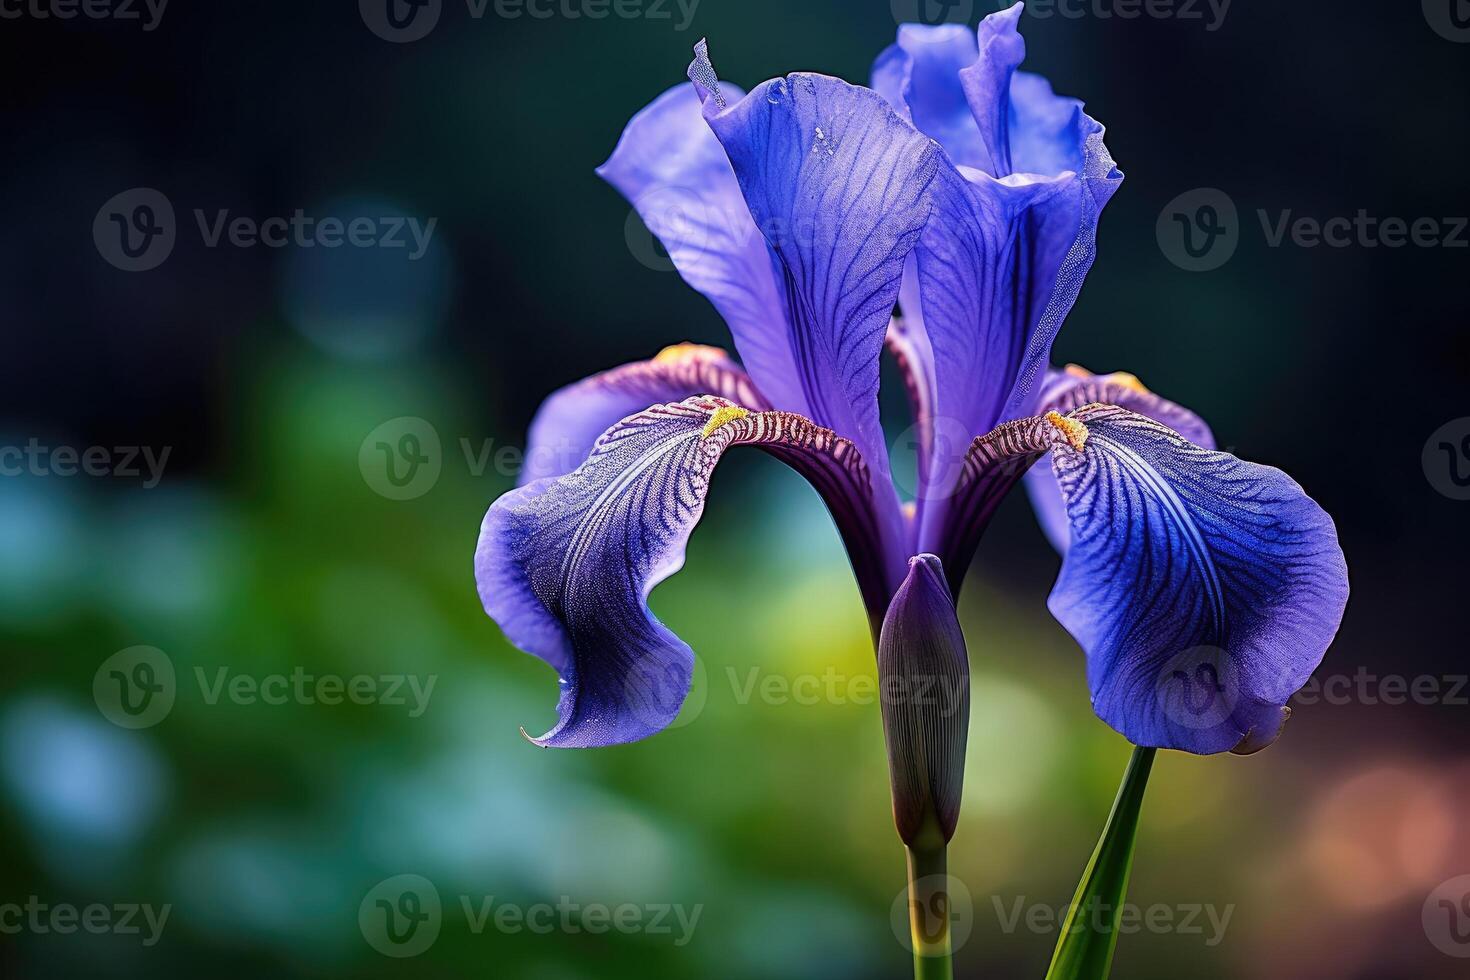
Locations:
(264, 549)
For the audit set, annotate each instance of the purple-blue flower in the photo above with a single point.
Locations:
(965, 195)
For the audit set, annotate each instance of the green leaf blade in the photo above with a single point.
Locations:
(1090, 931)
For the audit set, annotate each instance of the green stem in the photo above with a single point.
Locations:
(929, 913)
(1090, 932)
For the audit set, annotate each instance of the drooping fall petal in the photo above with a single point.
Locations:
(565, 564)
(570, 420)
(1203, 589)
(1074, 387)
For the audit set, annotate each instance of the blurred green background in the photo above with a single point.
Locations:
(268, 547)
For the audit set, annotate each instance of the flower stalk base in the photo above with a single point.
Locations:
(930, 913)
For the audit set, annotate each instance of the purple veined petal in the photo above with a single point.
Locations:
(1075, 387)
(1025, 126)
(963, 296)
(565, 565)
(1002, 262)
(963, 89)
(1004, 258)
(998, 271)
(570, 420)
(1203, 589)
(674, 172)
(987, 84)
(919, 76)
(839, 186)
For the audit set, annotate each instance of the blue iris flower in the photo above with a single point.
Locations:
(947, 214)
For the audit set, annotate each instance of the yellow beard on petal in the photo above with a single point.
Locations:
(724, 414)
(1074, 431)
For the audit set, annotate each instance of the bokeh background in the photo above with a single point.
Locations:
(269, 547)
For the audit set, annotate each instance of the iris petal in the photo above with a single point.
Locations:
(565, 565)
(839, 186)
(1013, 236)
(571, 419)
(674, 172)
(1203, 589)
(1075, 387)
(919, 75)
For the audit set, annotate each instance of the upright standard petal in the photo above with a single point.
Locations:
(565, 565)
(919, 75)
(570, 420)
(924, 683)
(1203, 589)
(1001, 265)
(839, 186)
(1075, 387)
(674, 172)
